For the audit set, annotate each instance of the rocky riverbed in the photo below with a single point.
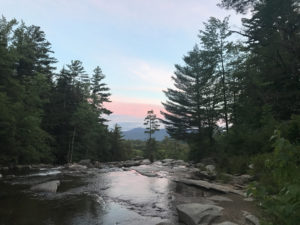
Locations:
(127, 193)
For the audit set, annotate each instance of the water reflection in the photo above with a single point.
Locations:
(125, 198)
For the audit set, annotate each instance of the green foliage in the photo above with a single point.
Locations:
(278, 189)
(44, 119)
(172, 149)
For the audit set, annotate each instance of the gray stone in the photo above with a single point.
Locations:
(0, 175)
(210, 168)
(251, 219)
(164, 223)
(205, 175)
(225, 223)
(168, 160)
(85, 162)
(219, 198)
(198, 214)
(145, 162)
(210, 186)
(76, 166)
(50, 186)
(146, 173)
(131, 163)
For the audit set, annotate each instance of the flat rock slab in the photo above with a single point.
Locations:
(210, 186)
(198, 214)
(218, 198)
(50, 186)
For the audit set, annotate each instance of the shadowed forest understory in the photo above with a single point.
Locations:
(236, 99)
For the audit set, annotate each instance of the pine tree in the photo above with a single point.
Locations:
(273, 40)
(152, 125)
(192, 106)
(100, 92)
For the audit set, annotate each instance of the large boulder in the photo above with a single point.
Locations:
(131, 163)
(146, 162)
(210, 168)
(198, 214)
(50, 186)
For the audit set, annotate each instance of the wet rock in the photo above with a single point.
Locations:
(195, 213)
(225, 223)
(146, 173)
(50, 186)
(250, 219)
(219, 198)
(210, 186)
(76, 166)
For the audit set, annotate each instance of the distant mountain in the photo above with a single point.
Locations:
(139, 134)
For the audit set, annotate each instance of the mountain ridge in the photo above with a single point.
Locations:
(138, 133)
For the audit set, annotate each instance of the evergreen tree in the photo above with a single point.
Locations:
(100, 92)
(152, 125)
(117, 150)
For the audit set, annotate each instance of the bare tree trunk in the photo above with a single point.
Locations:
(72, 145)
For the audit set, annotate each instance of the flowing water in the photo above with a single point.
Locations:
(109, 197)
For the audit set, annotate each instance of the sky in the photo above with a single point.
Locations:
(135, 42)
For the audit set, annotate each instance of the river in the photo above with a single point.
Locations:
(106, 196)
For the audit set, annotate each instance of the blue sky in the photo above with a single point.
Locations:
(135, 42)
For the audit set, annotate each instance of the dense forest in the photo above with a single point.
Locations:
(236, 99)
(239, 101)
(45, 116)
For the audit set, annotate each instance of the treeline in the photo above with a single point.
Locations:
(239, 101)
(50, 117)
(168, 148)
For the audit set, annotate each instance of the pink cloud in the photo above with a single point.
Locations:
(137, 110)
